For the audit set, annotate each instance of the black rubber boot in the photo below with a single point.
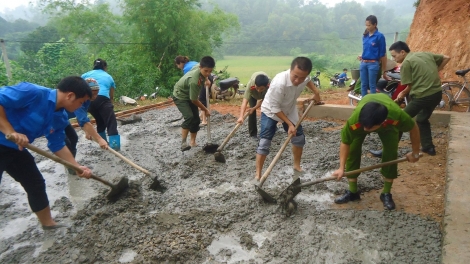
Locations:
(348, 196)
(376, 153)
(431, 151)
(387, 200)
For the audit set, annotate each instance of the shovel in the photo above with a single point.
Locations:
(116, 190)
(156, 186)
(218, 154)
(267, 197)
(209, 147)
(288, 195)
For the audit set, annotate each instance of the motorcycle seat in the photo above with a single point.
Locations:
(229, 82)
(394, 75)
(462, 72)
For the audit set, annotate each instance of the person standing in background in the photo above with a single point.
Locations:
(102, 108)
(373, 56)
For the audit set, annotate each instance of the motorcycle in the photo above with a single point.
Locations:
(225, 89)
(316, 80)
(392, 88)
(335, 80)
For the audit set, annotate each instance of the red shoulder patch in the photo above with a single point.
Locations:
(355, 126)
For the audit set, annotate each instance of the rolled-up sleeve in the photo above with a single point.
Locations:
(82, 115)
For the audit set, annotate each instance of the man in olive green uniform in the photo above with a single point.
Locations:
(375, 113)
(185, 96)
(254, 95)
(419, 70)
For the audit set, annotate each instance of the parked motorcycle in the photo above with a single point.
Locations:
(225, 90)
(391, 87)
(223, 87)
(316, 80)
(335, 80)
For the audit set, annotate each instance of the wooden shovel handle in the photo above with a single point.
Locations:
(59, 160)
(283, 147)
(232, 133)
(128, 161)
(349, 173)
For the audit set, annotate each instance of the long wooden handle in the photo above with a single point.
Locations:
(283, 147)
(128, 161)
(349, 173)
(232, 133)
(208, 117)
(59, 160)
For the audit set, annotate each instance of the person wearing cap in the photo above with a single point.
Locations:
(28, 111)
(375, 113)
(71, 137)
(102, 108)
(254, 95)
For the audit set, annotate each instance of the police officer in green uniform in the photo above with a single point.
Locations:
(185, 97)
(420, 72)
(375, 113)
(258, 85)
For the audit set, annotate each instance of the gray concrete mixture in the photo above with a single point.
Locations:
(210, 212)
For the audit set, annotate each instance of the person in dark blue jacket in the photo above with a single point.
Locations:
(71, 137)
(373, 56)
(27, 112)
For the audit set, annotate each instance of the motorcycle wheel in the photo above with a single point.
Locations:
(233, 91)
(317, 84)
(213, 93)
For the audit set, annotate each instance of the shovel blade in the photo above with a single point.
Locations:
(118, 189)
(266, 196)
(210, 148)
(219, 157)
(156, 186)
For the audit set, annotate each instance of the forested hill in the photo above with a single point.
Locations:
(283, 27)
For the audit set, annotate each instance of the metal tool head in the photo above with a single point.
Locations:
(118, 189)
(266, 196)
(210, 148)
(156, 186)
(287, 196)
(219, 157)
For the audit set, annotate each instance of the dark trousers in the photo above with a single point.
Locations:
(103, 111)
(71, 139)
(252, 127)
(22, 168)
(422, 109)
(190, 114)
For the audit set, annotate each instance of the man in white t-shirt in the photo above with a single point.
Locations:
(280, 105)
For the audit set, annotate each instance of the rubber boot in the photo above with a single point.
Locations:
(115, 142)
(103, 135)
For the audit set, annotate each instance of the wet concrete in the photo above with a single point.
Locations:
(210, 212)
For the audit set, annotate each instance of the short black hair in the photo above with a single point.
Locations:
(303, 63)
(99, 64)
(399, 46)
(345, 69)
(261, 80)
(207, 62)
(372, 114)
(76, 85)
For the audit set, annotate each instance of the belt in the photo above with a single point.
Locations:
(369, 60)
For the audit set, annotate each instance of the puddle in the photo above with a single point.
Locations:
(227, 248)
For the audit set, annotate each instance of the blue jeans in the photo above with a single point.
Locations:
(269, 127)
(369, 72)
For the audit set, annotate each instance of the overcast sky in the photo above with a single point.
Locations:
(14, 3)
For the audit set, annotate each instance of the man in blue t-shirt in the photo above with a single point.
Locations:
(29, 111)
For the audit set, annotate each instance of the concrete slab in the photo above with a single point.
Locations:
(456, 242)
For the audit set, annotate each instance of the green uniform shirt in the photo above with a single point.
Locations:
(251, 90)
(420, 70)
(189, 86)
(396, 118)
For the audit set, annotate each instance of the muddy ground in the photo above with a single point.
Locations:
(210, 212)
